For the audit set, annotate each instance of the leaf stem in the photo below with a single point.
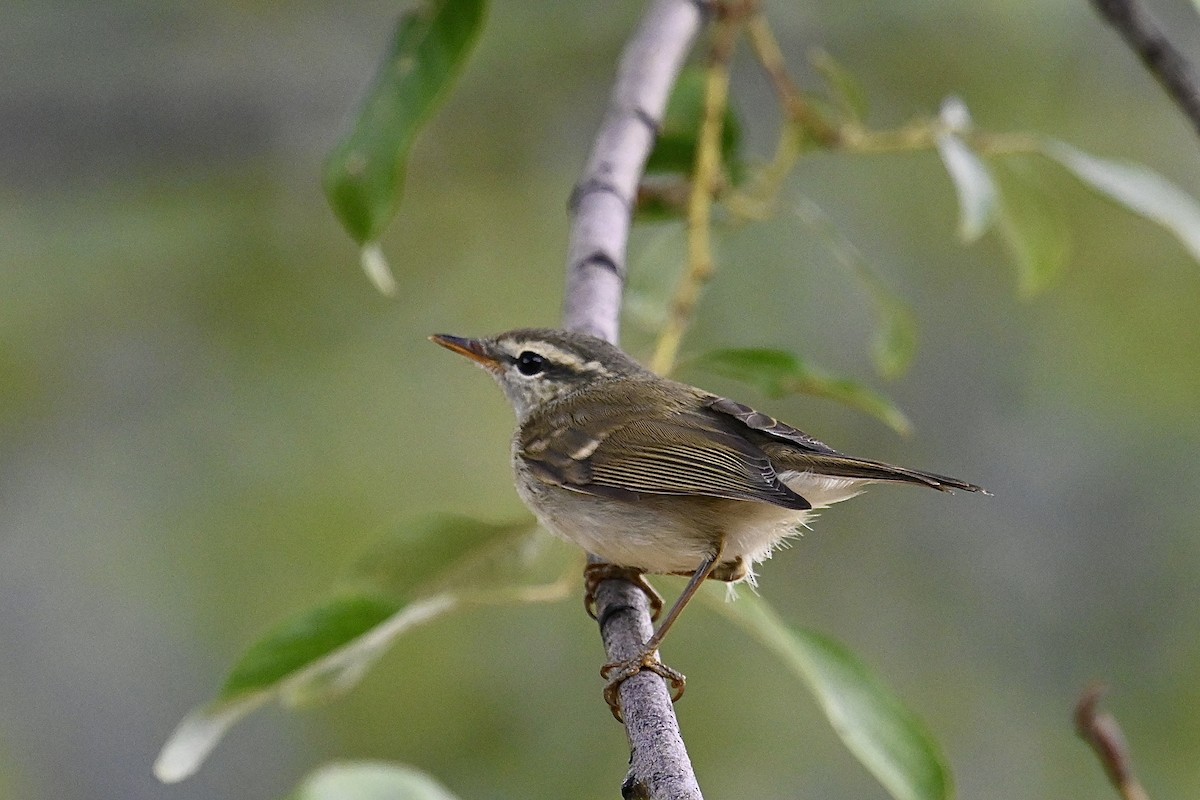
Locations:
(922, 135)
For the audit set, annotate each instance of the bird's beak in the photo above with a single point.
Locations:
(471, 348)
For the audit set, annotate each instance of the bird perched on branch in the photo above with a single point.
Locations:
(655, 476)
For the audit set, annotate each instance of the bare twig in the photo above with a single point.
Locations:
(800, 123)
(602, 207)
(1103, 734)
(1144, 36)
(770, 58)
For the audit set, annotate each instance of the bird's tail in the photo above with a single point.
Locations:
(865, 469)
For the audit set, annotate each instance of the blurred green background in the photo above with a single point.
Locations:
(206, 411)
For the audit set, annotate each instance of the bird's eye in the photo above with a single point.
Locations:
(530, 363)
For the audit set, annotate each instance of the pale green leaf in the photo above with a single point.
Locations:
(1034, 232)
(844, 87)
(1141, 190)
(777, 373)
(881, 733)
(364, 174)
(370, 780)
(895, 341)
(420, 573)
(977, 197)
(271, 670)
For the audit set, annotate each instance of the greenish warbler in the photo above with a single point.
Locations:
(651, 475)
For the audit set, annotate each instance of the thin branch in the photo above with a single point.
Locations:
(770, 58)
(800, 123)
(601, 207)
(705, 177)
(1144, 36)
(1103, 734)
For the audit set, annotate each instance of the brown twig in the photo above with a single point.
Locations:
(1144, 36)
(1102, 733)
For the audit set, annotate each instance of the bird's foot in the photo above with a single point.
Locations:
(595, 574)
(618, 672)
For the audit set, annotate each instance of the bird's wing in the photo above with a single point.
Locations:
(793, 449)
(631, 454)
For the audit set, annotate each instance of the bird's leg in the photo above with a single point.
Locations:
(595, 574)
(618, 672)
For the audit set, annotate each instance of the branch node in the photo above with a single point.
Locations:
(634, 789)
(649, 120)
(605, 262)
(594, 185)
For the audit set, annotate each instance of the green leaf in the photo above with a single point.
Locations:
(1033, 230)
(895, 341)
(977, 197)
(301, 642)
(364, 175)
(675, 149)
(844, 87)
(1142, 191)
(881, 733)
(777, 373)
(420, 573)
(370, 780)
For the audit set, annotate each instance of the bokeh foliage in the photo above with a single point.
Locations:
(206, 410)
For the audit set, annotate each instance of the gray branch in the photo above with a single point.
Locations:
(1166, 63)
(602, 207)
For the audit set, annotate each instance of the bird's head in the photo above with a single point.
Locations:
(537, 366)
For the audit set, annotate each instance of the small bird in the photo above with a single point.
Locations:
(651, 475)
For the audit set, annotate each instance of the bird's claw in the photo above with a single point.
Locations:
(618, 672)
(595, 574)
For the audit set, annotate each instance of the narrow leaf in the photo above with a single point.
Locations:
(973, 185)
(364, 175)
(422, 572)
(844, 87)
(1141, 190)
(300, 642)
(332, 667)
(895, 341)
(1035, 234)
(881, 733)
(370, 780)
(777, 373)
